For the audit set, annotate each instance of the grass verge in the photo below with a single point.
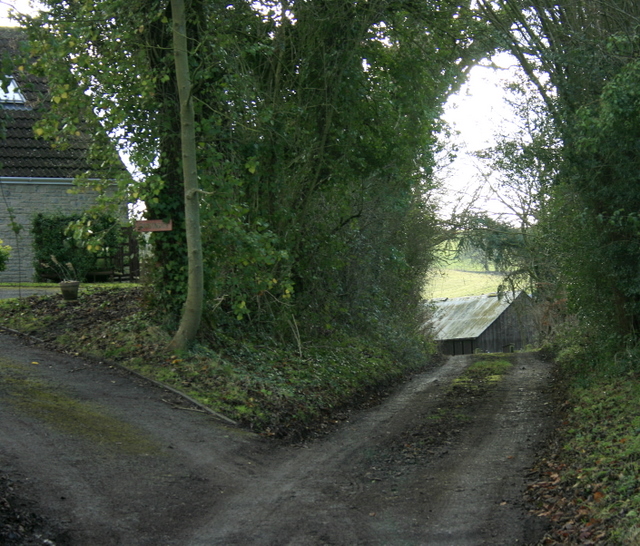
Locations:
(275, 389)
(591, 485)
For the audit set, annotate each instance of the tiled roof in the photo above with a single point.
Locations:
(21, 153)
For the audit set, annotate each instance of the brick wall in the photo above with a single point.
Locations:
(27, 198)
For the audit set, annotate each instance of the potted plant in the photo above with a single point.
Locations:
(69, 283)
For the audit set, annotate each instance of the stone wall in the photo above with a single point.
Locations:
(26, 198)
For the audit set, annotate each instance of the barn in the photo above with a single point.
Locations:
(489, 323)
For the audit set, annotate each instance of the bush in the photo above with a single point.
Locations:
(4, 255)
(53, 236)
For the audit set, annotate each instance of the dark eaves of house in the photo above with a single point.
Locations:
(22, 154)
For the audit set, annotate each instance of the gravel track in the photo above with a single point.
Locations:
(105, 458)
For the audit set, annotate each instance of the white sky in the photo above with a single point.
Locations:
(478, 112)
(22, 6)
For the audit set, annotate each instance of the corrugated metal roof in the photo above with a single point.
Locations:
(468, 317)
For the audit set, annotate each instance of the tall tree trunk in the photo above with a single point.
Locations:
(192, 311)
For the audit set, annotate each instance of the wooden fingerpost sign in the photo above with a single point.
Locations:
(153, 225)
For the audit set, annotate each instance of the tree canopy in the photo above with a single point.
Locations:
(314, 124)
(582, 56)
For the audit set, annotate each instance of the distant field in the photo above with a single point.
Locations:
(450, 283)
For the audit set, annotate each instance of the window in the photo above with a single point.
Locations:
(11, 96)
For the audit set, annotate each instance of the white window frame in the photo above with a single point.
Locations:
(12, 95)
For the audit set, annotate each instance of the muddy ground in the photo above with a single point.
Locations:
(92, 455)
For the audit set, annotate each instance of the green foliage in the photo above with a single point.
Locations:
(5, 251)
(604, 175)
(315, 146)
(82, 242)
(497, 242)
(602, 450)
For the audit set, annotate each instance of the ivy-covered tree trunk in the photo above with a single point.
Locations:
(192, 311)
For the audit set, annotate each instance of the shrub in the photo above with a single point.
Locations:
(53, 236)
(4, 255)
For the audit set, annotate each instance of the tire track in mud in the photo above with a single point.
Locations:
(353, 488)
(388, 476)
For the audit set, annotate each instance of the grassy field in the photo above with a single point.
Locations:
(452, 283)
(461, 275)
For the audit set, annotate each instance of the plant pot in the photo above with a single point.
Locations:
(69, 289)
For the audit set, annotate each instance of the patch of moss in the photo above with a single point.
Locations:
(50, 404)
(19, 317)
(490, 366)
(448, 414)
(482, 374)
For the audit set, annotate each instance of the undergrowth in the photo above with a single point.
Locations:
(277, 389)
(597, 471)
(591, 490)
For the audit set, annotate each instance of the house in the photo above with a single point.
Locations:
(486, 323)
(34, 176)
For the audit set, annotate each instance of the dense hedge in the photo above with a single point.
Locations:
(5, 251)
(53, 236)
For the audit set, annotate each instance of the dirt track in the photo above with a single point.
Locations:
(110, 460)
